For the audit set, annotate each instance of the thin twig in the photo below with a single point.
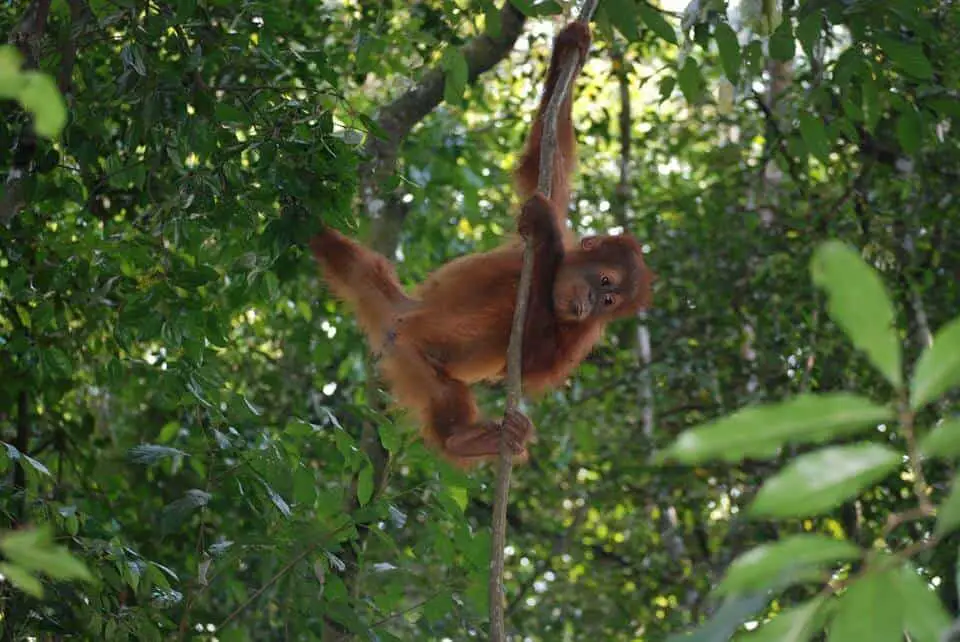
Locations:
(548, 144)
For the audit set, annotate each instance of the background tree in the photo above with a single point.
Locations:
(186, 411)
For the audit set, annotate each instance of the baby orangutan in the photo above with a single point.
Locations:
(454, 329)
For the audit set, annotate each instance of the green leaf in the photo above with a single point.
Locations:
(925, 618)
(623, 16)
(948, 513)
(791, 559)
(808, 32)
(725, 620)
(938, 368)
(871, 102)
(459, 495)
(491, 13)
(11, 76)
(35, 551)
(909, 130)
(457, 74)
(814, 136)
(690, 80)
(794, 624)
(943, 441)
(759, 431)
(22, 579)
(657, 23)
(782, 44)
(859, 304)
(871, 609)
(909, 57)
(41, 97)
(365, 484)
(729, 48)
(814, 483)
(151, 453)
(389, 436)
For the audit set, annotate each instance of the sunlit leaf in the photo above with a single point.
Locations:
(759, 431)
(817, 482)
(40, 96)
(938, 368)
(859, 304)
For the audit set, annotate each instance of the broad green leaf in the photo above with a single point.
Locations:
(808, 31)
(35, 551)
(814, 483)
(943, 441)
(11, 76)
(907, 56)
(871, 609)
(690, 80)
(389, 436)
(925, 618)
(782, 44)
(795, 624)
(41, 97)
(814, 136)
(948, 513)
(456, 76)
(792, 558)
(657, 23)
(859, 304)
(22, 579)
(623, 15)
(938, 368)
(729, 49)
(909, 130)
(365, 484)
(759, 431)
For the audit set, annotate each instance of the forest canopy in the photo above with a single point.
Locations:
(196, 444)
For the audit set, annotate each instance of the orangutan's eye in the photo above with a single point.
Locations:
(604, 280)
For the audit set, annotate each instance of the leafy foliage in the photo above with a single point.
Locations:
(190, 422)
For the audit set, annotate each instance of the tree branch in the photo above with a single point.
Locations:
(548, 144)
